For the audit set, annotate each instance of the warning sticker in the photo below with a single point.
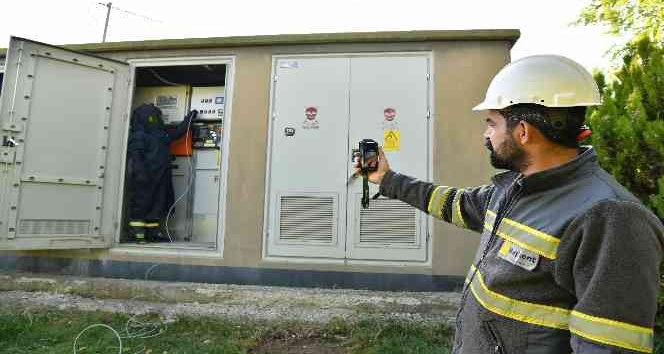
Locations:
(390, 121)
(310, 121)
(391, 140)
(390, 114)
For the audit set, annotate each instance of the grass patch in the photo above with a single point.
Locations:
(49, 331)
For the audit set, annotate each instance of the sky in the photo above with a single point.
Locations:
(545, 25)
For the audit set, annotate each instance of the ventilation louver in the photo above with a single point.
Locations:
(388, 221)
(54, 227)
(307, 219)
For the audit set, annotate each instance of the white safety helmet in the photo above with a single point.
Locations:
(547, 80)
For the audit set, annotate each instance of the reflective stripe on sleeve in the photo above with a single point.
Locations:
(457, 216)
(437, 201)
(615, 333)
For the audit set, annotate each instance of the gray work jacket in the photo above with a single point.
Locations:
(568, 260)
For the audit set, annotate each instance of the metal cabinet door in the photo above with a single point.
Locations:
(57, 112)
(308, 152)
(179, 219)
(205, 222)
(389, 102)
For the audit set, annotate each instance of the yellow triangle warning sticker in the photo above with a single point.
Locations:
(391, 140)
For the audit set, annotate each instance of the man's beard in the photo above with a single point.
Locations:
(508, 156)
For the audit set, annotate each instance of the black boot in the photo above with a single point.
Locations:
(137, 231)
(155, 234)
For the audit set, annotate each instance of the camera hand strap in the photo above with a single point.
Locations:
(365, 191)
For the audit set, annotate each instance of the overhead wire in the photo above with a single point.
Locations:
(132, 13)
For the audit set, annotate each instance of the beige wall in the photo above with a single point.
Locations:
(462, 71)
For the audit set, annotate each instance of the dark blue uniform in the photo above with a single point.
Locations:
(149, 169)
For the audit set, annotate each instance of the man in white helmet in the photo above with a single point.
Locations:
(568, 258)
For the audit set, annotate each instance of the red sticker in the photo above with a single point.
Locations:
(390, 114)
(310, 121)
(310, 113)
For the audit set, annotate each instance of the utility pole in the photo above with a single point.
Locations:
(109, 7)
(108, 15)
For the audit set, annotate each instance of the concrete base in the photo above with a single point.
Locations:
(229, 275)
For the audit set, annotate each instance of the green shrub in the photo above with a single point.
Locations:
(629, 132)
(629, 125)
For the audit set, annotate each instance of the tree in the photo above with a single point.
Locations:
(629, 125)
(634, 17)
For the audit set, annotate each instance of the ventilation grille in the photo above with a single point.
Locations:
(388, 221)
(54, 227)
(307, 219)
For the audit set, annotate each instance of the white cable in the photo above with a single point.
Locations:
(144, 330)
(117, 335)
(188, 143)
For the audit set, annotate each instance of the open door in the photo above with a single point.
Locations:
(58, 112)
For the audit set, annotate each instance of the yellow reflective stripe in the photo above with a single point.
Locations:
(601, 330)
(524, 236)
(152, 224)
(434, 197)
(504, 248)
(612, 332)
(437, 201)
(136, 223)
(528, 244)
(539, 234)
(457, 217)
(542, 315)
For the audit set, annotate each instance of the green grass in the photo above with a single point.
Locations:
(50, 331)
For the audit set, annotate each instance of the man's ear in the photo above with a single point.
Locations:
(523, 132)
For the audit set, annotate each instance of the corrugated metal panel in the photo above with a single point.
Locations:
(388, 221)
(54, 227)
(306, 219)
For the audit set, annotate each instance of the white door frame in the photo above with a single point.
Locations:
(229, 61)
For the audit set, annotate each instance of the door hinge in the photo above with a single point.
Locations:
(428, 77)
(428, 113)
(275, 78)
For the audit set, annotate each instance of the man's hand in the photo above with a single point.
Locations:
(375, 177)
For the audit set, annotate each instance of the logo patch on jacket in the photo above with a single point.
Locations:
(518, 256)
